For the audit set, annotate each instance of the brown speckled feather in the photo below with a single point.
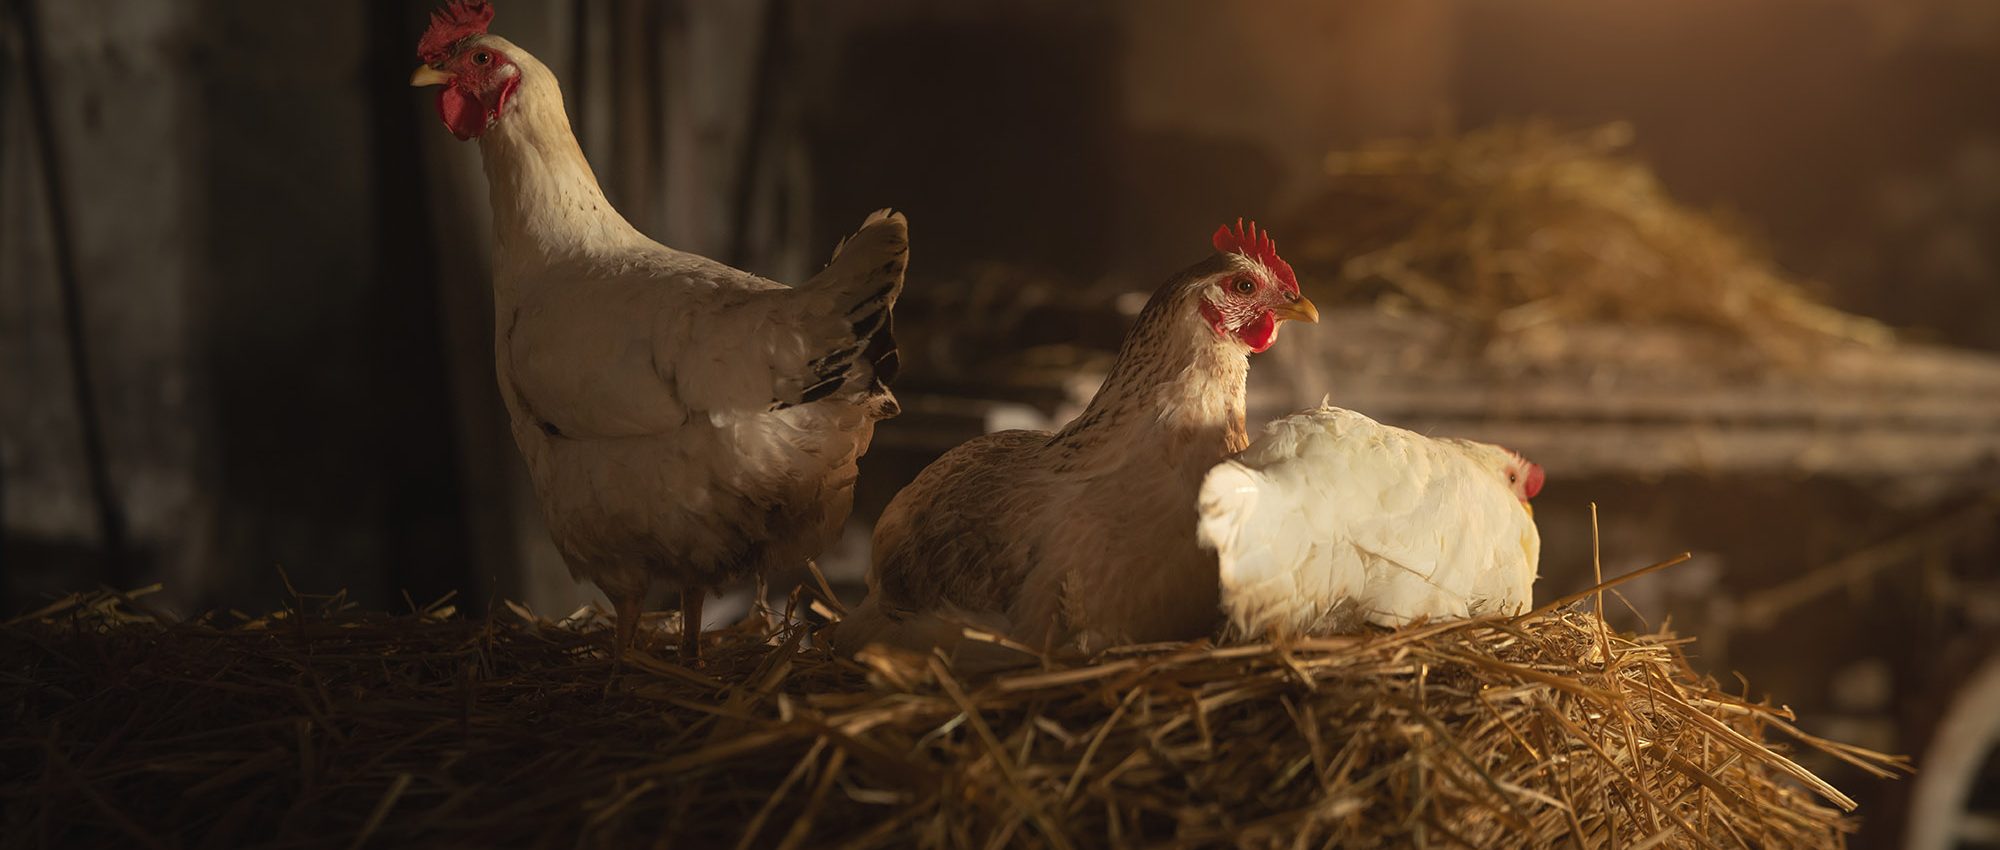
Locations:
(1085, 535)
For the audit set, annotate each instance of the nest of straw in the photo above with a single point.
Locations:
(1519, 225)
(328, 726)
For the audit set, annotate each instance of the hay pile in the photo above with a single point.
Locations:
(327, 726)
(1519, 225)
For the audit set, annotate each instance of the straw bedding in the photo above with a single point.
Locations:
(328, 726)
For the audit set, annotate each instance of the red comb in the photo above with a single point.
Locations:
(1256, 246)
(456, 22)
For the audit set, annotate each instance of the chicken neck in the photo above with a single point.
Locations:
(548, 208)
(1174, 385)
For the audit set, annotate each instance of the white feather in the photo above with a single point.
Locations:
(1331, 519)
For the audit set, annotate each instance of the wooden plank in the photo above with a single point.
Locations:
(1591, 400)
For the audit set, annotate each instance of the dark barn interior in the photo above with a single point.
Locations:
(245, 345)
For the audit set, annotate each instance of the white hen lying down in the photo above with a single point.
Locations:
(1332, 519)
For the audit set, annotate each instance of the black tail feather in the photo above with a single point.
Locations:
(881, 352)
(822, 389)
(876, 275)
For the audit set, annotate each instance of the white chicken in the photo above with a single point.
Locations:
(1331, 520)
(682, 420)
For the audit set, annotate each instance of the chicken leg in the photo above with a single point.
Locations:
(626, 614)
(691, 599)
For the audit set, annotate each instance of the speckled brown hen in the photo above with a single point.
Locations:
(1088, 535)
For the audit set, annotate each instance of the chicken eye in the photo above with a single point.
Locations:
(1512, 477)
(1243, 286)
(482, 57)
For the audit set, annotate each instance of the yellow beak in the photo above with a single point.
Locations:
(1529, 508)
(1300, 310)
(429, 76)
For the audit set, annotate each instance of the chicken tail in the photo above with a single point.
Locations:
(1231, 524)
(1243, 522)
(861, 284)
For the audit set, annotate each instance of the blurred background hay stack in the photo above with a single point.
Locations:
(1516, 225)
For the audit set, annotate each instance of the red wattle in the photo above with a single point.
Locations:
(463, 114)
(1535, 479)
(1260, 333)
